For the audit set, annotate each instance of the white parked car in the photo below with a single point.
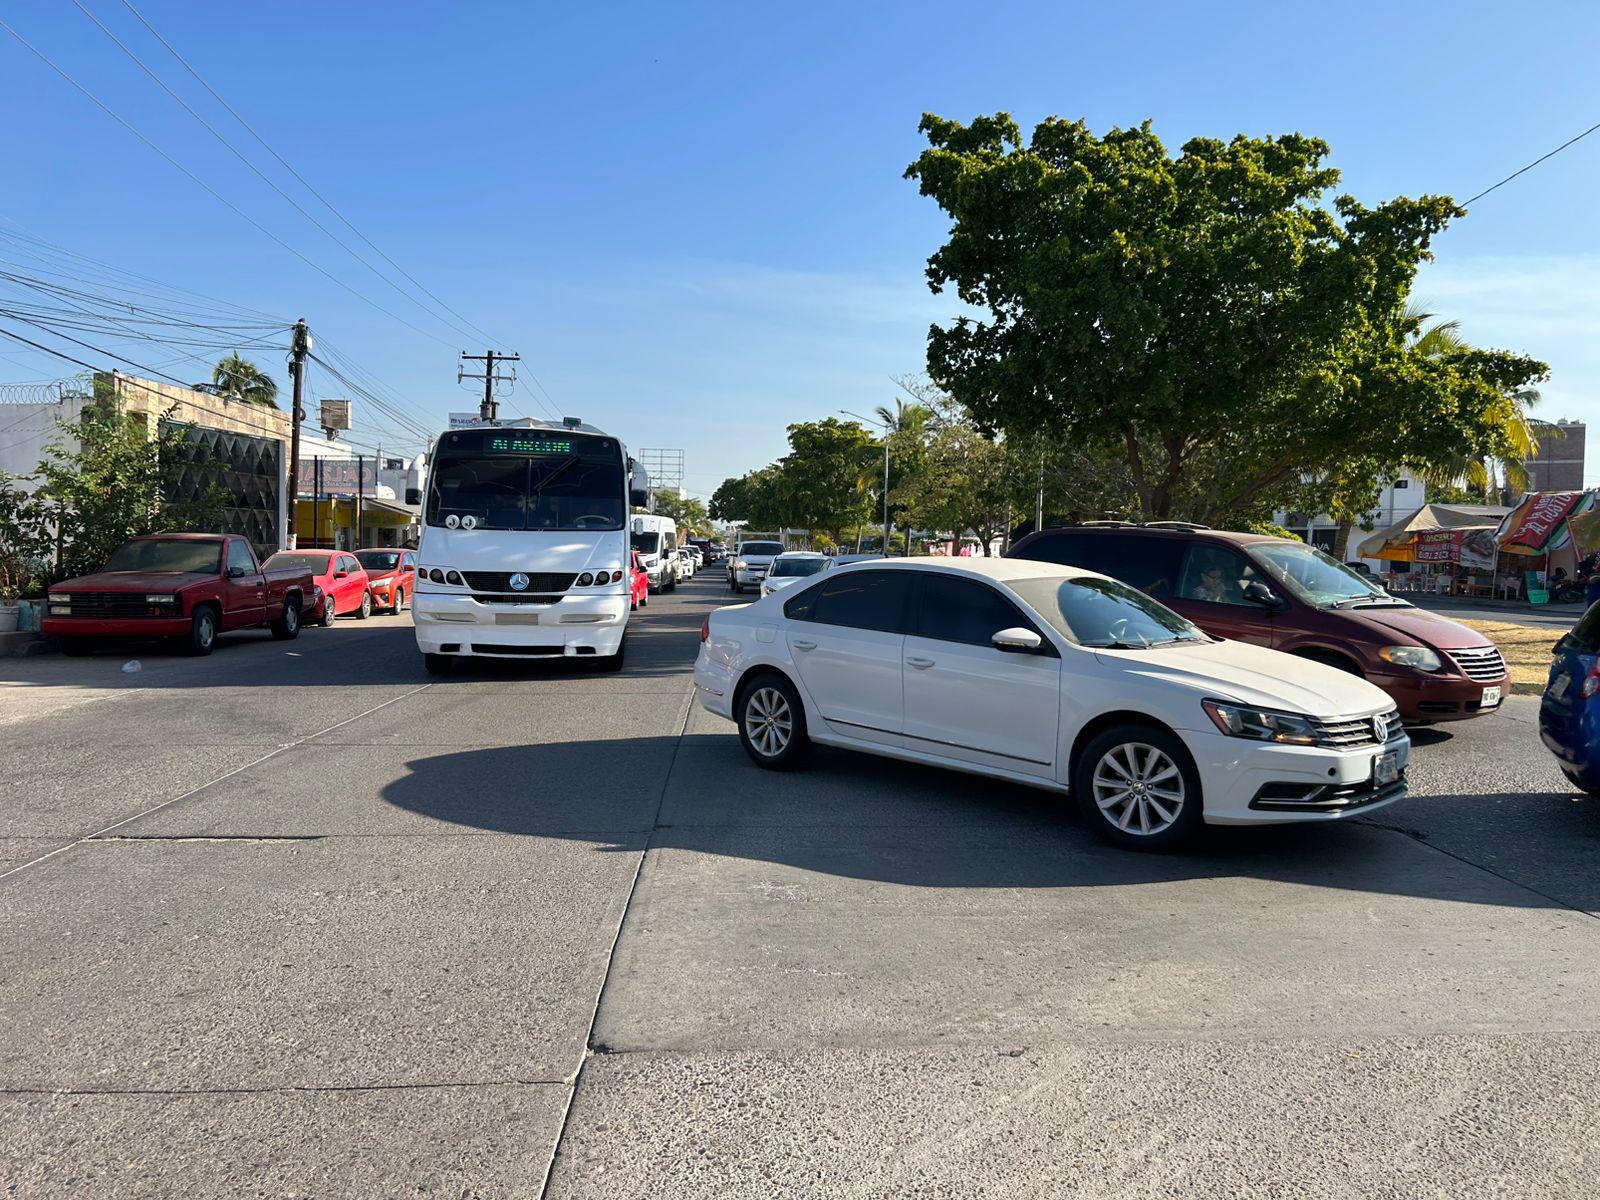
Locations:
(685, 564)
(1055, 677)
(791, 567)
(748, 566)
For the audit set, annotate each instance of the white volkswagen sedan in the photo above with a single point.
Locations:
(792, 567)
(1055, 677)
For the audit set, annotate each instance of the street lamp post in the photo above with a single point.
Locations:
(846, 412)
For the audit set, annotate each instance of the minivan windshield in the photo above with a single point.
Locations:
(1104, 613)
(180, 556)
(1315, 577)
(797, 567)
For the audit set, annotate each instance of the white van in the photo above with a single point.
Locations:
(656, 540)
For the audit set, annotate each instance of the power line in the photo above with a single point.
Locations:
(237, 153)
(1532, 165)
(234, 208)
(326, 203)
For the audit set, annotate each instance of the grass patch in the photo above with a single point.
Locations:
(1526, 649)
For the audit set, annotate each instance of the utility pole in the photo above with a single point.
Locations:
(298, 350)
(489, 410)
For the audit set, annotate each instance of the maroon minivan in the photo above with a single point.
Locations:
(1293, 597)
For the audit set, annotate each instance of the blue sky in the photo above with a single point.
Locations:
(690, 219)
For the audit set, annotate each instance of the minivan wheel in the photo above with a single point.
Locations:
(772, 723)
(1138, 787)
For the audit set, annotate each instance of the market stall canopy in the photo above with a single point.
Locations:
(1528, 528)
(1395, 541)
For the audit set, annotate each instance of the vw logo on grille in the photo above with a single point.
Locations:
(518, 582)
(1380, 728)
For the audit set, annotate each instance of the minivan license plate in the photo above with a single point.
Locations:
(1386, 768)
(1491, 698)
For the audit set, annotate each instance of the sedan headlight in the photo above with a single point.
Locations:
(1419, 657)
(1261, 724)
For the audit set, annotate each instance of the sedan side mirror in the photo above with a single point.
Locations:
(1259, 593)
(1017, 640)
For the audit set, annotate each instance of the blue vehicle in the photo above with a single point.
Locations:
(1569, 716)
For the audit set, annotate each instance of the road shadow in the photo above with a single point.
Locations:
(865, 817)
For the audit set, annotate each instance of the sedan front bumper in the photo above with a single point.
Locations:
(1259, 783)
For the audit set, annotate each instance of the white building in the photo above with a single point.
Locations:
(1397, 500)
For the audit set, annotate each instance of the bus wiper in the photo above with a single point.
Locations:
(554, 475)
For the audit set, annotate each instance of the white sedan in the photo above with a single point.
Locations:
(1055, 677)
(791, 567)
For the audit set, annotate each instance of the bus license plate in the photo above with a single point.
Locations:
(1491, 697)
(1386, 768)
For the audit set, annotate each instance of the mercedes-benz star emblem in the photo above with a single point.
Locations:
(518, 582)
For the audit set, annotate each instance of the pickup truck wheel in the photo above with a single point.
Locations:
(287, 626)
(76, 647)
(365, 610)
(202, 636)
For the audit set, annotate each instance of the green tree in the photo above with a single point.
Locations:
(25, 545)
(689, 513)
(758, 500)
(108, 481)
(240, 379)
(831, 474)
(1205, 315)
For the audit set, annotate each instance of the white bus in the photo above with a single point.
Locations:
(524, 550)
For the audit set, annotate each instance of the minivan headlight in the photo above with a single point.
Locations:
(1261, 724)
(1419, 657)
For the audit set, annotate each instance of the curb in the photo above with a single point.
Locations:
(24, 645)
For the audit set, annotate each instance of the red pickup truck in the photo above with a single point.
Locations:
(187, 586)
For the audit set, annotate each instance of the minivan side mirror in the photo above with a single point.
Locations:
(1017, 640)
(1259, 593)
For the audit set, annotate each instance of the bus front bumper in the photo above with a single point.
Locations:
(573, 626)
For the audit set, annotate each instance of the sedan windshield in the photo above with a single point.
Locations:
(1315, 577)
(378, 560)
(186, 557)
(1104, 613)
(317, 564)
(797, 567)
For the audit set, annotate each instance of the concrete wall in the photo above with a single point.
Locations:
(26, 429)
(1558, 467)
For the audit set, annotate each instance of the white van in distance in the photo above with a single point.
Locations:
(656, 540)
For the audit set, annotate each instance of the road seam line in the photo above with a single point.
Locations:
(89, 837)
(611, 953)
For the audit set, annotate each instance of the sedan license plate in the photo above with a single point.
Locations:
(1559, 688)
(1491, 697)
(1386, 768)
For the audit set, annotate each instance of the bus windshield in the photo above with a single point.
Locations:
(528, 479)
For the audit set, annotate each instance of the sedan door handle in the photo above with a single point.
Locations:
(921, 664)
(799, 645)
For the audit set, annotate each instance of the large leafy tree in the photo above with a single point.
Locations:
(240, 379)
(1206, 315)
(831, 474)
(688, 512)
(107, 481)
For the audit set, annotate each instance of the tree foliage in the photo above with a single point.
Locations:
(828, 482)
(108, 481)
(688, 513)
(1205, 317)
(240, 379)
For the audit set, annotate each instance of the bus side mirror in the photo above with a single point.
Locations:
(639, 497)
(413, 495)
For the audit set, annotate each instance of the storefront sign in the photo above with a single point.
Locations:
(1529, 526)
(1472, 548)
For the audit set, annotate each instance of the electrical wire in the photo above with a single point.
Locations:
(326, 203)
(218, 196)
(1532, 165)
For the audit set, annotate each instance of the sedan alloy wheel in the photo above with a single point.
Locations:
(1138, 789)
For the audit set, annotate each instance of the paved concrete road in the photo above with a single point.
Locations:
(298, 920)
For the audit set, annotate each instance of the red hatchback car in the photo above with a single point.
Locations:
(1293, 597)
(638, 584)
(391, 576)
(341, 577)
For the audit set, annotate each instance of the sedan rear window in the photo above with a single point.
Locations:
(317, 564)
(1104, 613)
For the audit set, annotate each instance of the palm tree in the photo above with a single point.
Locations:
(1487, 475)
(240, 379)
